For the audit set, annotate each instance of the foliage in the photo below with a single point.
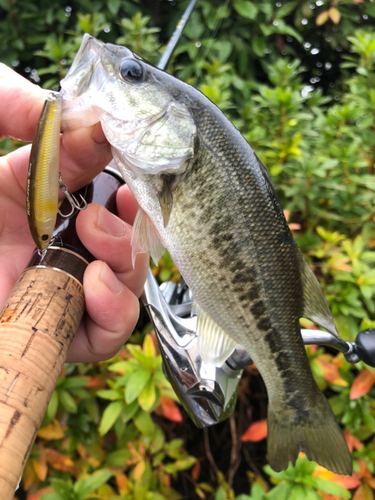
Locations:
(297, 79)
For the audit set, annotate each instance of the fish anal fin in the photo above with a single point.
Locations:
(214, 345)
(314, 431)
(315, 306)
(145, 239)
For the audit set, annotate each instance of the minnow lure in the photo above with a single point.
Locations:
(43, 173)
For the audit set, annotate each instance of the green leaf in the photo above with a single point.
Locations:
(118, 458)
(83, 487)
(140, 356)
(130, 410)
(258, 45)
(52, 496)
(332, 488)
(183, 464)
(362, 71)
(110, 416)
(246, 9)
(53, 406)
(144, 423)
(135, 384)
(257, 493)
(286, 9)
(298, 492)
(63, 488)
(67, 401)
(280, 492)
(149, 347)
(110, 394)
(158, 441)
(220, 494)
(147, 397)
(75, 382)
(124, 367)
(114, 6)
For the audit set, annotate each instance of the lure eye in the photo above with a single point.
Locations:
(131, 71)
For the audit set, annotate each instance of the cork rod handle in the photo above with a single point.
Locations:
(37, 325)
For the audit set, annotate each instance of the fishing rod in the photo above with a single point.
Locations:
(175, 38)
(39, 320)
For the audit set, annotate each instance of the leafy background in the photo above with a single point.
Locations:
(297, 79)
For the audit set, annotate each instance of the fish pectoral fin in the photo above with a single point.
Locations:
(214, 345)
(145, 239)
(166, 200)
(315, 306)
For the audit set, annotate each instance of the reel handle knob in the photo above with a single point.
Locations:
(365, 346)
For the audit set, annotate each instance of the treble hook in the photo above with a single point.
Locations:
(74, 203)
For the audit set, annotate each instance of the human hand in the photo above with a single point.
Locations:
(111, 285)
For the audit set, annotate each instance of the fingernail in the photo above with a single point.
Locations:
(109, 223)
(109, 279)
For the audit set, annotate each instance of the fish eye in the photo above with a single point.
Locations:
(131, 71)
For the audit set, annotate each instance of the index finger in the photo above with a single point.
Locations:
(84, 152)
(20, 105)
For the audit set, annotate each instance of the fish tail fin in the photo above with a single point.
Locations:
(315, 432)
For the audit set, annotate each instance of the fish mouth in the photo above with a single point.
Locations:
(85, 78)
(78, 89)
(80, 74)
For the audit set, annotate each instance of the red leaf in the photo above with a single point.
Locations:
(331, 373)
(195, 471)
(93, 382)
(123, 484)
(256, 432)
(348, 482)
(170, 410)
(166, 480)
(353, 442)
(61, 462)
(362, 384)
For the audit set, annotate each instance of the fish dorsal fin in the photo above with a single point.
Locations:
(315, 306)
(214, 345)
(145, 239)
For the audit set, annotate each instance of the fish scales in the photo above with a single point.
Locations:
(204, 193)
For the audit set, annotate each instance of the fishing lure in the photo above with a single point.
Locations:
(43, 177)
(43, 173)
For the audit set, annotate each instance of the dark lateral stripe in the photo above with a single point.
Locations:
(258, 309)
(264, 324)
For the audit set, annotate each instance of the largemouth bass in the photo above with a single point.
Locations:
(206, 197)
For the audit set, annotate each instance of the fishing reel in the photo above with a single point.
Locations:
(209, 393)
